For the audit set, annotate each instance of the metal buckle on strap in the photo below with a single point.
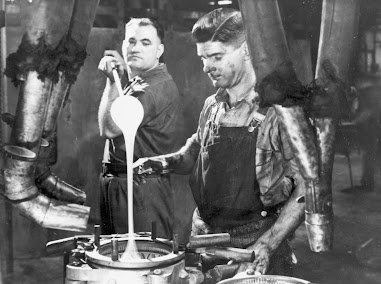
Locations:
(258, 118)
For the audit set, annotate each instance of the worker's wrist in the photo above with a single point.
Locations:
(269, 242)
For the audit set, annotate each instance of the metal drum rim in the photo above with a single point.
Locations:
(291, 280)
(166, 260)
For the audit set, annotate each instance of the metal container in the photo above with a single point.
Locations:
(158, 264)
(265, 279)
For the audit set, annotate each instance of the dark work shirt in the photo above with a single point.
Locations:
(159, 131)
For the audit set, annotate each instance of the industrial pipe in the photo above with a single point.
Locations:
(337, 39)
(48, 183)
(72, 59)
(277, 84)
(35, 65)
(21, 190)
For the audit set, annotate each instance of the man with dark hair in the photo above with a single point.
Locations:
(156, 135)
(244, 177)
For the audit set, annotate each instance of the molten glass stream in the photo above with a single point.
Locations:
(127, 113)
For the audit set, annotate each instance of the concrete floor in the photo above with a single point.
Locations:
(357, 220)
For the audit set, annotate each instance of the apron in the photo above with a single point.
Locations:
(223, 180)
(227, 194)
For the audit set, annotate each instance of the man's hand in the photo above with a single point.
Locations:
(146, 166)
(106, 64)
(262, 257)
(199, 227)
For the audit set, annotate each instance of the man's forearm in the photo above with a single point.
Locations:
(183, 161)
(290, 218)
(107, 127)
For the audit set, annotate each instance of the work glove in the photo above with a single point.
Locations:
(199, 227)
(149, 166)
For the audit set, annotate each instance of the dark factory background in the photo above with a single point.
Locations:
(80, 147)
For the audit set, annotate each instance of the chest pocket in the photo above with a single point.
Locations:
(264, 168)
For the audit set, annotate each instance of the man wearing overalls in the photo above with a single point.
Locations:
(243, 175)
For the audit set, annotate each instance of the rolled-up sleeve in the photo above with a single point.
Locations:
(279, 177)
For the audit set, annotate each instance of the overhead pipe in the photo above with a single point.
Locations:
(277, 81)
(34, 66)
(74, 49)
(338, 34)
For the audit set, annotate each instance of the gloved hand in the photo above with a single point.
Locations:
(149, 166)
(199, 227)
(106, 66)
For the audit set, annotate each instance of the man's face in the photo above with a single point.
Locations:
(142, 47)
(223, 63)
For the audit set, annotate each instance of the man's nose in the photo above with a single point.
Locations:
(208, 67)
(136, 47)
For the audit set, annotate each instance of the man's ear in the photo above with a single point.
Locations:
(124, 50)
(160, 50)
(246, 52)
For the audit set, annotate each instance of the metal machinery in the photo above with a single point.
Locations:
(159, 264)
(95, 259)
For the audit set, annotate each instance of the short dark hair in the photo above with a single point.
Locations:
(222, 24)
(148, 22)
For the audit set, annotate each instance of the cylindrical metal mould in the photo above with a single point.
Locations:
(208, 240)
(236, 254)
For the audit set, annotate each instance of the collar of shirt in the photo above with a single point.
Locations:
(240, 114)
(223, 97)
(158, 70)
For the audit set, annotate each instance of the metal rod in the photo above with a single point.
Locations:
(117, 79)
(208, 240)
(175, 243)
(350, 171)
(97, 234)
(114, 250)
(153, 231)
(6, 250)
(66, 259)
